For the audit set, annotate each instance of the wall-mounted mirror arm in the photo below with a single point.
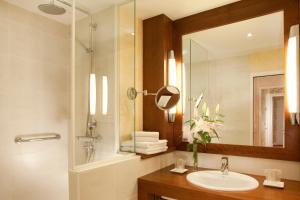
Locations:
(166, 97)
(146, 93)
(132, 93)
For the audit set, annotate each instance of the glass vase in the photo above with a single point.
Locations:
(195, 156)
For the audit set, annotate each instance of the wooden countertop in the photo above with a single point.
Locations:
(166, 183)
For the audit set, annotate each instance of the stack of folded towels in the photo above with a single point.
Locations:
(145, 143)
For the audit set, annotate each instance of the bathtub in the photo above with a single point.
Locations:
(98, 180)
(103, 159)
(114, 177)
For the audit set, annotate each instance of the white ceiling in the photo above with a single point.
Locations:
(89, 5)
(176, 9)
(32, 5)
(231, 40)
(145, 8)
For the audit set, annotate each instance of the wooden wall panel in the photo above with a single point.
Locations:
(157, 42)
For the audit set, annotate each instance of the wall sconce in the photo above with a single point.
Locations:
(92, 123)
(92, 94)
(183, 87)
(104, 95)
(292, 74)
(172, 82)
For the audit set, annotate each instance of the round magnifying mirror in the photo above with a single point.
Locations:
(167, 97)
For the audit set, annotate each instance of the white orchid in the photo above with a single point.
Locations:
(203, 127)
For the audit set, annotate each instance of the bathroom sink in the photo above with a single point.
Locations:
(215, 180)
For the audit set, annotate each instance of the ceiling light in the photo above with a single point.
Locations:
(249, 35)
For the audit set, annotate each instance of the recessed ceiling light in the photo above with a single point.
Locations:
(249, 35)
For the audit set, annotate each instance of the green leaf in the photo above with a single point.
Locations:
(189, 147)
(216, 133)
(210, 120)
(207, 137)
(220, 115)
(193, 124)
(205, 118)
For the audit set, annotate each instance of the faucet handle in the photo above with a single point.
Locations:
(224, 158)
(225, 165)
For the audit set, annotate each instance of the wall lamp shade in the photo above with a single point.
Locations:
(292, 74)
(183, 87)
(172, 82)
(93, 94)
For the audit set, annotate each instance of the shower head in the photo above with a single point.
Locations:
(51, 8)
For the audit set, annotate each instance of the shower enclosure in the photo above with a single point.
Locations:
(65, 67)
(103, 70)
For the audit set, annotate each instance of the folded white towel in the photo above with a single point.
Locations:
(146, 139)
(145, 145)
(145, 151)
(145, 134)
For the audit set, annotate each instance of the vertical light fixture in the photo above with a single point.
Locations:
(183, 87)
(93, 94)
(104, 95)
(92, 123)
(172, 82)
(292, 74)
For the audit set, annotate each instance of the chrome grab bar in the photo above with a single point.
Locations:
(37, 137)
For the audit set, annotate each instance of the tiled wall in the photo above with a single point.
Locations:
(256, 166)
(34, 98)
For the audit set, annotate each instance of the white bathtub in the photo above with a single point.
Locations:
(114, 177)
(103, 159)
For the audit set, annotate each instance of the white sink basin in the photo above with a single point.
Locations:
(215, 180)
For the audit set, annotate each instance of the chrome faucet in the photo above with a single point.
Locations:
(225, 166)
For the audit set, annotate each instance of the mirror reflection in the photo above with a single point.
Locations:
(167, 97)
(239, 66)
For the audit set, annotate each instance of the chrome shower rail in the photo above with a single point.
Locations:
(37, 137)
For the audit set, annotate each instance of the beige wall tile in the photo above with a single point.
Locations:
(34, 98)
(290, 170)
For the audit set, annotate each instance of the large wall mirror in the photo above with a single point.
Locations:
(235, 56)
(239, 66)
